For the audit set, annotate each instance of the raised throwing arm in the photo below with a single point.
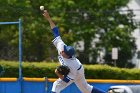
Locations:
(47, 16)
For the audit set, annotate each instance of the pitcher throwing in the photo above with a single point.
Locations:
(66, 58)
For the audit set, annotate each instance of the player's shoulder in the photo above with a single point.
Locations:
(56, 39)
(72, 58)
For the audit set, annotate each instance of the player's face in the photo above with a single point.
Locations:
(64, 55)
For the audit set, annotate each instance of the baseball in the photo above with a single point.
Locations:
(41, 8)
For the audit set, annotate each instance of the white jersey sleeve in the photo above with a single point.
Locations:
(59, 44)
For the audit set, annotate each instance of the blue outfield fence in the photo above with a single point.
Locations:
(41, 85)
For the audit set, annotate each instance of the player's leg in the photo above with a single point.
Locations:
(81, 83)
(59, 85)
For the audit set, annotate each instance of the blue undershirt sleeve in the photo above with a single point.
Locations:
(66, 79)
(55, 32)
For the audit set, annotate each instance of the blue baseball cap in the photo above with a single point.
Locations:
(69, 50)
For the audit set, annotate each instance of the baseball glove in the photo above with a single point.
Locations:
(64, 70)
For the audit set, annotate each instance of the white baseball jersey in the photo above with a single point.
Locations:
(73, 63)
(76, 74)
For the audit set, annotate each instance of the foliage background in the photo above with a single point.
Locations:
(98, 23)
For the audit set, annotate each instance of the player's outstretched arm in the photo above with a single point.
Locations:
(52, 25)
(47, 16)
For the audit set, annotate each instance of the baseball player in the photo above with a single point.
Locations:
(66, 57)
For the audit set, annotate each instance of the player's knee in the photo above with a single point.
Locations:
(55, 83)
(56, 87)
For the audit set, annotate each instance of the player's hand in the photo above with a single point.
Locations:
(56, 71)
(46, 14)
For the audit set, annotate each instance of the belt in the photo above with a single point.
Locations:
(79, 67)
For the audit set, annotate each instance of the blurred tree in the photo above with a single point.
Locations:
(98, 23)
